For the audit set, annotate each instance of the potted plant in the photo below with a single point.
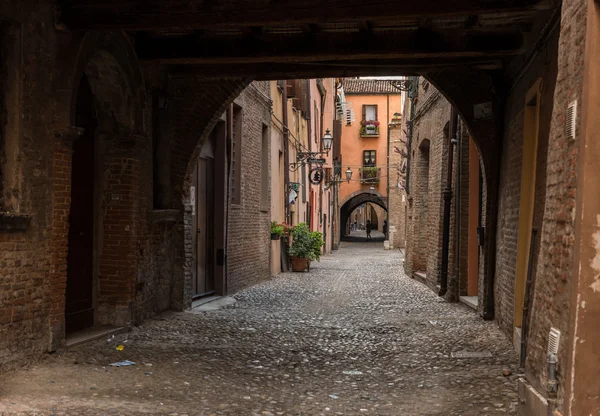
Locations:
(306, 246)
(277, 230)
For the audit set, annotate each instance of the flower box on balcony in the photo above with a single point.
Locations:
(369, 128)
(369, 175)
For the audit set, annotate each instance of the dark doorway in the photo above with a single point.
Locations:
(203, 281)
(79, 303)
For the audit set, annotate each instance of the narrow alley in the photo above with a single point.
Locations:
(353, 336)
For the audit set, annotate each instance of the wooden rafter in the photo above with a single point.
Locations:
(383, 67)
(142, 15)
(317, 46)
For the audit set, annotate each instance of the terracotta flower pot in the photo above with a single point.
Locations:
(300, 264)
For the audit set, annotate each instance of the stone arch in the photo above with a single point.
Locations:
(354, 200)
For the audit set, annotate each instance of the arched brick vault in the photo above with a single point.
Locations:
(354, 200)
(197, 105)
(233, 39)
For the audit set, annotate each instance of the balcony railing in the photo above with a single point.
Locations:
(369, 175)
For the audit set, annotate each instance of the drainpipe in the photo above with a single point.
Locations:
(448, 202)
(388, 170)
(307, 114)
(286, 154)
(552, 385)
(459, 157)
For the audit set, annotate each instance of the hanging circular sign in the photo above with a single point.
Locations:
(315, 175)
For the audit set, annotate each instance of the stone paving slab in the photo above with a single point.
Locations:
(355, 336)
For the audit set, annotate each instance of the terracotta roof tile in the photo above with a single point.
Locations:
(368, 86)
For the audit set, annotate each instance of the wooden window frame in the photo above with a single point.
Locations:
(374, 152)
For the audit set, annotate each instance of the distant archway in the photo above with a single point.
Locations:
(353, 201)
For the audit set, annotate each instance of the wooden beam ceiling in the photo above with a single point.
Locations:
(383, 67)
(148, 15)
(319, 46)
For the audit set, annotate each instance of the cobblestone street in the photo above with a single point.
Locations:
(355, 336)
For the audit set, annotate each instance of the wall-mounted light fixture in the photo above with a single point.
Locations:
(348, 174)
(304, 158)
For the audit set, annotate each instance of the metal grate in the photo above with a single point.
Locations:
(553, 341)
(471, 354)
(571, 120)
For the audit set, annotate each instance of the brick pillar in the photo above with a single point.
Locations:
(118, 228)
(62, 154)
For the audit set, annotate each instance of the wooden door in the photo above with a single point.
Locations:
(79, 303)
(203, 281)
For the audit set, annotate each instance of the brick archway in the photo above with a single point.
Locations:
(465, 90)
(196, 105)
(354, 200)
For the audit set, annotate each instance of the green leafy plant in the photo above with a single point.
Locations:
(369, 174)
(277, 229)
(370, 171)
(305, 243)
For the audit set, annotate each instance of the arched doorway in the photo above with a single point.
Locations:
(421, 207)
(102, 180)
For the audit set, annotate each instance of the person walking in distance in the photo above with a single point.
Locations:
(368, 229)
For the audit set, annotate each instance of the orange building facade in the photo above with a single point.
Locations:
(369, 107)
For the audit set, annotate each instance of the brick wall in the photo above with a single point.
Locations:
(428, 170)
(429, 154)
(510, 179)
(553, 280)
(397, 195)
(27, 137)
(248, 239)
